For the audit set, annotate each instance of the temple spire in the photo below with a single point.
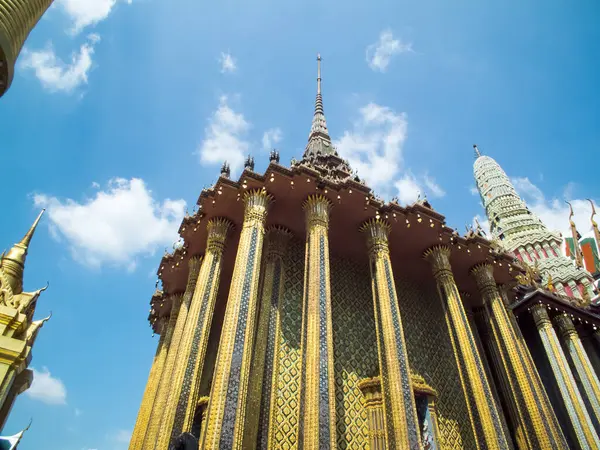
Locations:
(477, 152)
(13, 262)
(318, 139)
(595, 225)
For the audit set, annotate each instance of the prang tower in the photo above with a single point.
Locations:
(304, 312)
(521, 232)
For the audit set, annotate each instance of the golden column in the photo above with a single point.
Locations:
(185, 379)
(156, 371)
(485, 419)
(401, 420)
(164, 386)
(534, 421)
(227, 407)
(580, 359)
(580, 419)
(17, 19)
(317, 426)
(262, 379)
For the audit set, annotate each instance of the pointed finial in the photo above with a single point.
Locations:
(13, 262)
(318, 73)
(570, 211)
(593, 212)
(477, 152)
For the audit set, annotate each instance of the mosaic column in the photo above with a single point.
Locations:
(317, 423)
(185, 382)
(534, 421)
(485, 419)
(164, 387)
(371, 389)
(262, 379)
(580, 419)
(143, 418)
(580, 359)
(228, 406)
(399, 402)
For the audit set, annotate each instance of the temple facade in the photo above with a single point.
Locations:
(304, 312)
(18, 330)
(17, 19)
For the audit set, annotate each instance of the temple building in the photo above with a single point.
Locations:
(17, 19)
(304, 312)
(18, 330)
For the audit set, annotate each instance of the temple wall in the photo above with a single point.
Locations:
(431, 356)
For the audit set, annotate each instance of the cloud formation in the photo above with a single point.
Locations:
(227, 63)
(271, 137)
(46, 388)
(115, 226)
(373, 147)
(55, 74)
(225, 137)
(84, 13)
(380, 53)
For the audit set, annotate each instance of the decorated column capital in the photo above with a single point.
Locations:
(439, 258)
(317, 208)
(217, 229)
(377, 232)
(540, 316)
(278, 238)
(565, 326)
(256, 203)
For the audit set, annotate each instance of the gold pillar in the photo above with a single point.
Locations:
(371, 389)
(534, 421)
(262, 379)
(317, 423)
(143, 418)
(185, 380)
(164, 386)
(485, 419)
(580, 359)
(580, 419)
(227, 408)
(399, 403)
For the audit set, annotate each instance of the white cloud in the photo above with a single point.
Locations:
(55, 74)
(408, 189)
(554, 213)
(46, 388)
(85, 13)
(271, 137)
(474, 191)
(224, 138)
(373, 147)
(116, 225)
(227, 63)
(380, 53)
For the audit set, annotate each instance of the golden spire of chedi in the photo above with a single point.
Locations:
(13, 263)
(17, 19)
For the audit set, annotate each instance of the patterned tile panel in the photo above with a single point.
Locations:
(430, 355)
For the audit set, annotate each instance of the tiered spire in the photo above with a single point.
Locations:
(13, 262)
(319, 141)
(320, 153)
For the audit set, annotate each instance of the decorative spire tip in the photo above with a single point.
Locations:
(477, 152)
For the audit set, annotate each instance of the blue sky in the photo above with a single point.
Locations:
(120, 113)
